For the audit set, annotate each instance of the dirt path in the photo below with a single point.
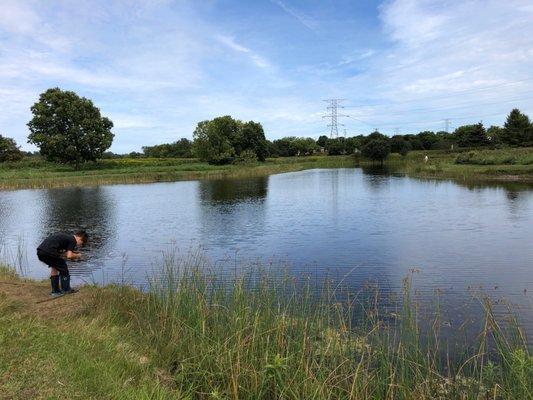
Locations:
(33, 298)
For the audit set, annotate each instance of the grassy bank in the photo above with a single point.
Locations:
(490, 165)
(485, 165)
(260, 338)
(40, 174)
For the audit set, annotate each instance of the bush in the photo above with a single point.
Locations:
(247, 157)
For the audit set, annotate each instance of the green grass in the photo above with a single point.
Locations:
(502, 165)
(486, 165)
(41, 174)
(254, 336)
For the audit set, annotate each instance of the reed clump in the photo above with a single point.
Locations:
(260, 335)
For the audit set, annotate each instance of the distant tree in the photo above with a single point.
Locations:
(336, 146)
(354, 144)
(179, 149)
(376, 150)
(400, 145)
(9, 151)
(471, 135)
(222, 139)
(428, 139)
(252, 137)
(322, 141)
(69, 129)
(517, 130)
(213, 140)
(376, 135)
(494, 134)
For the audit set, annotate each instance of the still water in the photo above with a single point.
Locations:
(349, 223)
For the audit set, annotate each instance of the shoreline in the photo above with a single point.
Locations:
(134, 171)
(186, 339)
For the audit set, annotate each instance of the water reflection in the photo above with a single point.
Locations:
(92, 209)
(232, 214)
(233, 191)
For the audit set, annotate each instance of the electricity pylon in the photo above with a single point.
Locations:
(334, 105)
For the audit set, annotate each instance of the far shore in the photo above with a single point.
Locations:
(35, 174)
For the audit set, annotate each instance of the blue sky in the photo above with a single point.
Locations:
(158, 67)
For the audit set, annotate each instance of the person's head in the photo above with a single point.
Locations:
(81, 237)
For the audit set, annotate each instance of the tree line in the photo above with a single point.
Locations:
(69, 129)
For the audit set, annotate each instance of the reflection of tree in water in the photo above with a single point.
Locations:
(376, 176)
(232, 212)
(234, 191)
(92, 209)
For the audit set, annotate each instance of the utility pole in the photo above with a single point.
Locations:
(333, 115)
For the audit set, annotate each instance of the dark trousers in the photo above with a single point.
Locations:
(54, 262)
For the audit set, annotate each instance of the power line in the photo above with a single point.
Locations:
(334, 115)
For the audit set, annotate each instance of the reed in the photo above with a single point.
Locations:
(259, 335)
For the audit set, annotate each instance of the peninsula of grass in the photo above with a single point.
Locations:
(41, 174)
(485, 165)
(251, 337)
(501, 165)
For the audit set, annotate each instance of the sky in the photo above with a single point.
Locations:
(156, 68)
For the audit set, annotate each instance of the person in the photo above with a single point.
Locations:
(53, 251)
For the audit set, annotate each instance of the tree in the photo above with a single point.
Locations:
(252, 137)
(336, 146)
(428, 139)
(517, 130)
(9, 151)
(376, 150)
(471, 135)
(213, 140)
(180, 149)
(400, 145)
(69, 129)
(222, 139)
(322, 141)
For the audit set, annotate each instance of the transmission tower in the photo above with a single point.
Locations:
(333, 114)
(447, 125)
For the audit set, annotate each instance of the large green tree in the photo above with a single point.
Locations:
(471, 135)
(9, 151)
(517, 130)
(376, 149)
(68, 128)
(252, 138)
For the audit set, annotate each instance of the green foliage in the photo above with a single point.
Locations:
(496, 157)
(471, 135)
(252, 138)
(376, 150)
(179, 149)
(517, 130)
(9, 151)
(293, 146)
(247, 157)
(400, 145)
(336, 147)
(322, 141)
(428, 139)
(69, 129)
(220, 140)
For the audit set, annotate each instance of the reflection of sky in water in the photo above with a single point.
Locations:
(317, 221)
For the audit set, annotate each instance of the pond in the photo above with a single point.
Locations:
(349, 223)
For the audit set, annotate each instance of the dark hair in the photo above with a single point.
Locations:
(83, 235)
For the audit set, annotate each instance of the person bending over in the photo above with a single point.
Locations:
(53, 251)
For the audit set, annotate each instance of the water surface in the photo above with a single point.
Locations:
(347, 223)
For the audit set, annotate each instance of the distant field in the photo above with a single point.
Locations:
(41, 174)
(503, 165)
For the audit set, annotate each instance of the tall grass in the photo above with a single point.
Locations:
(40, 174)
(264, 336)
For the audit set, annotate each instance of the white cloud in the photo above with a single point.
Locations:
(304, 19)
(232, 44)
